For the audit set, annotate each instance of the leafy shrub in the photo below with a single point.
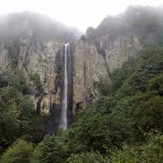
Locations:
(49, 151)
(152, 152)
(20, 152)
(88, 157)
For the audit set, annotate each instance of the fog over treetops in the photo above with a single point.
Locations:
(137, 20)
(29, 24)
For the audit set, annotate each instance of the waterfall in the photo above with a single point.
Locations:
(65, 91)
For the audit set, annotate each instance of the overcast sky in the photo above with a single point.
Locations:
(76, 13)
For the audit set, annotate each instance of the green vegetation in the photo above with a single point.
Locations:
(36, 81)
(19, 152)
(13, 49)
(149, 152)
(49, 150)
(88, 157)
(17, 115)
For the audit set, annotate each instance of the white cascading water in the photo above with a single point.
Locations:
(65, 92)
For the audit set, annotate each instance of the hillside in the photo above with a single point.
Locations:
(142, 21)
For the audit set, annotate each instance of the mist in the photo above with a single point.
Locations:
(36, 26)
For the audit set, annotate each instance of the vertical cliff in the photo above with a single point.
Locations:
(94, 63)
(119, 50)
(42, 67)
(89, 69)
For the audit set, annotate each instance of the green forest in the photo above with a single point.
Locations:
(124, 126)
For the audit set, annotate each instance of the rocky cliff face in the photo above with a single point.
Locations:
(42, 64)
(118, 51)
(4, 59)
(89, 69)
(44, 61)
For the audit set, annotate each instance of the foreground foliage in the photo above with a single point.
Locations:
(17, 115)
(19, 152)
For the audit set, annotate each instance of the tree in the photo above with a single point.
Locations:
(49, 151)
(88, 157)
(151, 151)
(90, 33)
(20, 152)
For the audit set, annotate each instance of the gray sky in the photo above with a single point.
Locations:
(76, 13)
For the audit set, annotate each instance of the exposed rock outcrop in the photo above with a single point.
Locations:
(41, 62)
(118, 51)
(4, 59)
(46, 61)
(89, 68)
